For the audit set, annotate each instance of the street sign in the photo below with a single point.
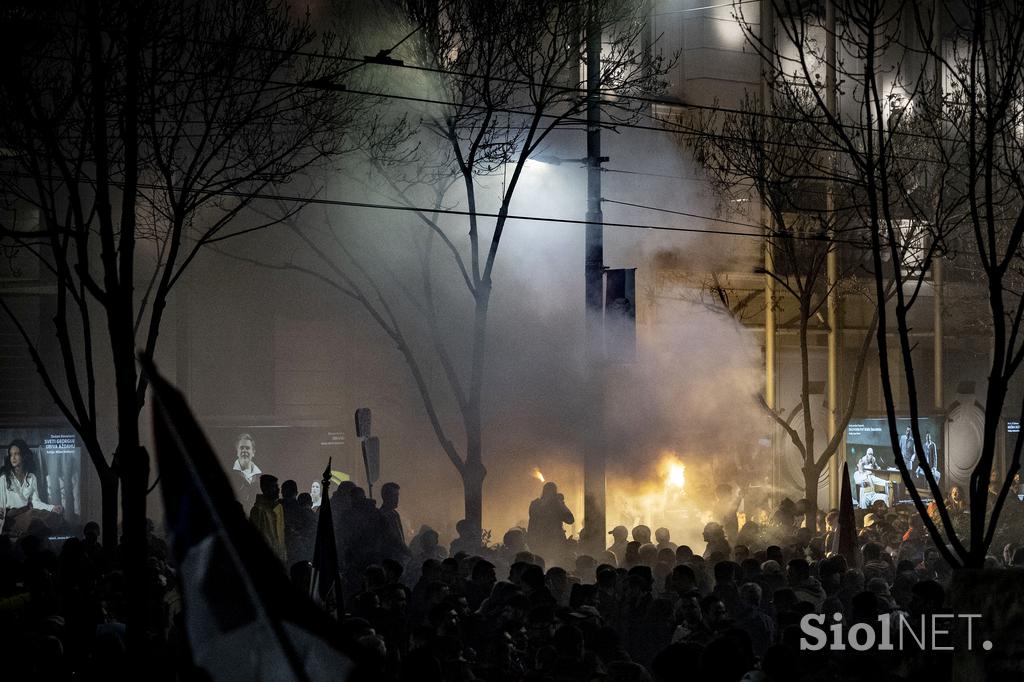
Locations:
(620, 315)
(363, 422)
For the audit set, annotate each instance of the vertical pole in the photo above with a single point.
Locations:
(832, 267)
(647, 36)
(769, 348)
(594, 457)
(937, 305)
(835, 466)
(937, 274)
(768, 36)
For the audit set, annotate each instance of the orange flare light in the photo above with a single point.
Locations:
(676, 475)
(538, 475)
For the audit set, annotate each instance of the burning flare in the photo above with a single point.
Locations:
(675, 476)
(538, 475)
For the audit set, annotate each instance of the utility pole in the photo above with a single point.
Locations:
(594, 521)
(768, 36)
(832, 267)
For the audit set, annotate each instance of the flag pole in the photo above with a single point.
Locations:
(325, 551)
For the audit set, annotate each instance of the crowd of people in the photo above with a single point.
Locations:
(532, 607)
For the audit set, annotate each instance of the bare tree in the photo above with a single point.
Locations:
(137, 132)
(509, 75)
(767, 152)
(929, 136)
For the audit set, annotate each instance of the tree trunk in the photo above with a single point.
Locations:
(109, 484)
(134, 472)
(474, 471)
(132, 466)
(811, 495)
(473, 488)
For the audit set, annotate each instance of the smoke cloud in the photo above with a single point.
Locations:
(284, 344)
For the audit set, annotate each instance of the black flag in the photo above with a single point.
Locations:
(325, 584)
(244, 619)
(845, 538)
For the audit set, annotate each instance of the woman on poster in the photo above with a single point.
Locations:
(19, 489)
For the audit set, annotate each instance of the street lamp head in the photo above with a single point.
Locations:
(547, 159)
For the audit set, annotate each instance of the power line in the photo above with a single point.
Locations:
(319, 84)
(675, 212)
(579, 90)
(706, 180)
(700, 9)
(324, 83)
(614, 93)
(478, 214)
(339, 202)
(510, 216)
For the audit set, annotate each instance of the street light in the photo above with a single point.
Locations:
(551, 160)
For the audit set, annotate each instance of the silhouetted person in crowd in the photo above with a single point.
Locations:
(664, 540)
(725, 584)
(557, 581)
(290, 507)
(341, 504)
(648, 555)
(632, 557)
(468, 540)
(680, 581)
(424, 546)
(620, 538)
(366, 534)
(303, 527)
(786, 516)
(636, 600)
(91, 536)
(481, 582)
(752, 619)
(690, 618)
(726, 507)
(512, 543)
(547, 514)
(393, 533)
(807, 589)
(717, 544)
(267, 515)
(642, 534)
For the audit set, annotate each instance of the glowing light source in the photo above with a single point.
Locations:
(676, 476)
(538, 475)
